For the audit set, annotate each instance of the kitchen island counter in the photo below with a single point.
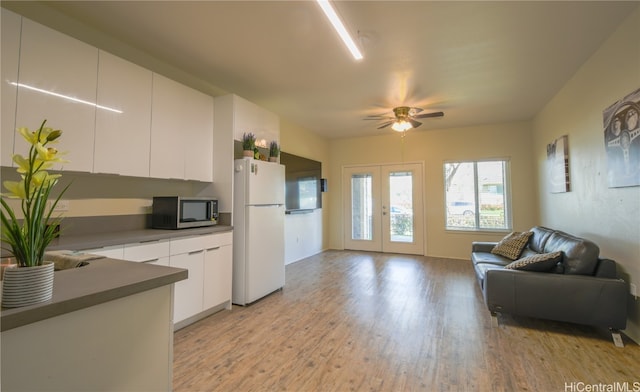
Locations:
(110, 315)
(101, 281)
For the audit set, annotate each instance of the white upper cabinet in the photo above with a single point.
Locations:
(198, 127)
(246, 116)
(10, 59)
(57, 82)
(167, 128)
(123, 131)
(181, 132)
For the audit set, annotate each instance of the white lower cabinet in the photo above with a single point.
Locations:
(153, 252)
(187, 294)
(218, 266)
(208, 258)
(209, 261)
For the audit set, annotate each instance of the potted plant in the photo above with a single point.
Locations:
(274, 151)
(248, 144)
(27, 238)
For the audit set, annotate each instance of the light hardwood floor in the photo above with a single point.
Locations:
(357, 321)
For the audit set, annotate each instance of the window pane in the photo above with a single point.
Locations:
(491, 195)
(361, 207)
(476, 195)
(460, 194)
(401, 206)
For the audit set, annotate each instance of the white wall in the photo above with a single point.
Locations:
(302, 235)
(311, 231)
(434, 147)
(608, 216)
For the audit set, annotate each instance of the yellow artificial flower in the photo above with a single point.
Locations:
(42, 177)
(46, 135)
(16, 188)
(22, 162)
(29, 237)
(47, 154)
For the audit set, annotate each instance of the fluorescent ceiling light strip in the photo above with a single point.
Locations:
(65, 97)
(339, 27)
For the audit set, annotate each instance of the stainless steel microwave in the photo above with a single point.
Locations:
(175, 212)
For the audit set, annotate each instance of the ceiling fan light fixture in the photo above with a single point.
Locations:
(401, 126)
(340, 29)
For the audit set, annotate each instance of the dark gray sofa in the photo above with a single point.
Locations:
(581, 288)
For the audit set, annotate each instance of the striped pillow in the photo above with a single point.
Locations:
(542, 262)
(512, 245)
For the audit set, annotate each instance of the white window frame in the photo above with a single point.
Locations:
(508, 215)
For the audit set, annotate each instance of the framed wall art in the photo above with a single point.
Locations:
(558, 165)
(622, 141)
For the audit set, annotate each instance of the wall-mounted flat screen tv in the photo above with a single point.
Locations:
(302, 183)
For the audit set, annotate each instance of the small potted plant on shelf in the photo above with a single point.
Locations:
(248, 144)
(31, 281)
(274, 151)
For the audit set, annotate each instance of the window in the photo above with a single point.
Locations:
(476, 195)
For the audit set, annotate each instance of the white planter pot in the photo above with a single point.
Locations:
(27, 285)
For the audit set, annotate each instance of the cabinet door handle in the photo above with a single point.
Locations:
(151, 260)
(196, 252)
(211, 249)
(147, 241)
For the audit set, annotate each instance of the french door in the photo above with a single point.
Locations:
(383, 208)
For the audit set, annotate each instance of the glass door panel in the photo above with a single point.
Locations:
(361, 187)
(402, 209)
(383, 208)
(401, 206)
(361, 207)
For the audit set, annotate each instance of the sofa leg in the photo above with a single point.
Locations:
(494, 319)
(617, 338)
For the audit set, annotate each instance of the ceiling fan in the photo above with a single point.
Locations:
(404, 118)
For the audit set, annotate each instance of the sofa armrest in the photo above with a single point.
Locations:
(479, 246)
(571, 298)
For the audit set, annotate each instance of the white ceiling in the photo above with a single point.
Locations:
(479, 62)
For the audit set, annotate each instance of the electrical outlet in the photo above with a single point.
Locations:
(63, 205)
(633, 289)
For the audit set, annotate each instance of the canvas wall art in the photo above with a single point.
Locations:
(558, 165)
(622, 141)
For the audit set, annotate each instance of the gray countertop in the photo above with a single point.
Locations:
(93, 241)
(103, 279)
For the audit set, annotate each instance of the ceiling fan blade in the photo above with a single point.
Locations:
(416, 110)
(378, 118)
(385, 114)
(385, 124)
(415, 123)
(427, 115)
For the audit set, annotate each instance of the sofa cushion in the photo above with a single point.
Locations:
(512, 245)
(606, 269)
(580, 256)
(542, 262)
(489, 258)
(539, 238)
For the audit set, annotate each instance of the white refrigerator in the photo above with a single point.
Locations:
(258, 229)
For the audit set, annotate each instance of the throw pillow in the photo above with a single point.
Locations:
(542, 262)
(512, 245)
